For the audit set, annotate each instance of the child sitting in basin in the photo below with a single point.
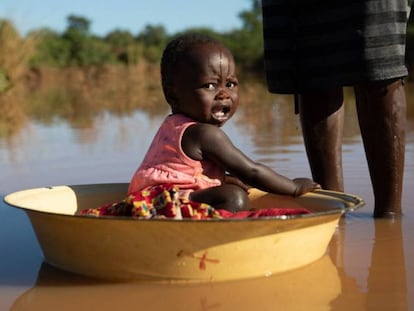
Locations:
(190, 149)
(190, 157)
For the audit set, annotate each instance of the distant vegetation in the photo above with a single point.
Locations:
(74, 74)
(76, 46)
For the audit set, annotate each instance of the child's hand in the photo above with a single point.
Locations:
(228, 179)
(304, 185)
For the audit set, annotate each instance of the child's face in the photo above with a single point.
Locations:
(205, 87)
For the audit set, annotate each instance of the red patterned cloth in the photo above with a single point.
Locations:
(163, 202)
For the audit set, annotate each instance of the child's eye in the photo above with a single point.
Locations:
(231, 85)
(209, 86)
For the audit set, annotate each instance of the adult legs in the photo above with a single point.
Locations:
(227, 196)
(322, 121)
(381, 108)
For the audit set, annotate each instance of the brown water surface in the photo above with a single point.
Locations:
(369, 264)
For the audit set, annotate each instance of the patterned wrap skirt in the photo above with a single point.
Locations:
(312, 45)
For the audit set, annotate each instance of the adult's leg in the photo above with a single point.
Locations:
(228, 196)
(322, 121)
(381, 108)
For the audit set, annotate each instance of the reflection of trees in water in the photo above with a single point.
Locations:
(351, 127)
(77, 96)
(351, 120)
(268, 118)
(12, 116)
(271, 120)
(409, 91)
(82, 93)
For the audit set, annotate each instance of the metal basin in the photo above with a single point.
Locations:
(121, 248)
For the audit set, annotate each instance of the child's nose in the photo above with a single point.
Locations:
(222, 94)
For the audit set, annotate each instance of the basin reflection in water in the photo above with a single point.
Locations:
(330, 283)
(316, 285)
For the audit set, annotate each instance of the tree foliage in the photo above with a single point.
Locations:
(77, 46)
(52, 49)
(85, 49)
(246, 43)
(122, 46)
(153, 40)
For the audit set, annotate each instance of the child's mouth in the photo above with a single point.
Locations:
(221, 113)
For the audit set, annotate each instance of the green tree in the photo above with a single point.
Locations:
(247, 43)
(122, 44)
(84, 48)
(52, 49)
(78, 23)
(153, 39)
(77, 46)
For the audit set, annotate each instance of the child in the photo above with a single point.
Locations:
(190, 151)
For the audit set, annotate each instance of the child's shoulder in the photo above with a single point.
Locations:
(204, 131)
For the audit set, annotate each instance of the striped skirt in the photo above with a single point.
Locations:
(314, 45)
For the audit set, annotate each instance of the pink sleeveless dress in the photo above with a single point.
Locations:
(166, 163)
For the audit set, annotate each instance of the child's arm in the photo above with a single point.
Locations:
(206, 141)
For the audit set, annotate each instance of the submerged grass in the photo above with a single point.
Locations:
(77, 94)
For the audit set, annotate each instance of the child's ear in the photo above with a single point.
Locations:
(171, 96)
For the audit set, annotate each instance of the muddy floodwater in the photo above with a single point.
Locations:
(369, 264)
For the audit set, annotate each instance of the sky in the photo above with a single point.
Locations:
(131, 15)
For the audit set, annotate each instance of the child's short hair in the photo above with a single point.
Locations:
(177, 49)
